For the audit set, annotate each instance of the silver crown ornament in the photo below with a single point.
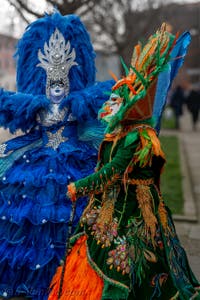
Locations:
(57, 60)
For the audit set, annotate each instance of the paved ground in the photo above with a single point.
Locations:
(187, 226)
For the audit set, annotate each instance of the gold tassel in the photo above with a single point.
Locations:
(88, 207)
(106, 213)
(163, 214)
(145, 204)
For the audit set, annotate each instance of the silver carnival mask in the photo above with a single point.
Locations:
(57, 60)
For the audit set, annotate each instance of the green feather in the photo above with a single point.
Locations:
(131, 138)
(124, 66)
(140, 77)
(144, 133)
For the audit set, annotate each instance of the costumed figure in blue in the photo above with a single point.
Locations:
(55, 107)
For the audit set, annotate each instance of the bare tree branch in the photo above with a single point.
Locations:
(24, 5)
(19, 11)
(118, 26)
(115, 25)
(66, 7)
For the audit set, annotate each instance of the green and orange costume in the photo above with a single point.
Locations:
(126, 246)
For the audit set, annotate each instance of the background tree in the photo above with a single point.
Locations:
(28, 8)
(119, 25)
(115, 26)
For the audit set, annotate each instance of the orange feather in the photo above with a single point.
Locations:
(80, 280)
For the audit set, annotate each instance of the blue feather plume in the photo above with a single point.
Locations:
(166, 77)
(32, 79)
(91, 132)
(86, 103)
(18, 110)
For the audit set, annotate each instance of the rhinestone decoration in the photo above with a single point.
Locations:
(2, 150)
(55, 139)
(57, 59)
(37, 266)
(104, 236)
(118, 257)
(52, 116)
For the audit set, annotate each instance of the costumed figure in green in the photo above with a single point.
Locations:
(126, 246)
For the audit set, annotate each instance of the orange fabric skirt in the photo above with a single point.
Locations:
(81, 282)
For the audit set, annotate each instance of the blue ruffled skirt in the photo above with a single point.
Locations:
(34, 215)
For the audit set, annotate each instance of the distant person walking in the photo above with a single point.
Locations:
(176, 102)
(193, 105)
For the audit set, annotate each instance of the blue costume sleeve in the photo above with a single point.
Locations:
(86, 103)
(85, 106)
(18, 110)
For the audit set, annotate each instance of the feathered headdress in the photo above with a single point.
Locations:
(32, 79)
(141, 83)
(57, 60)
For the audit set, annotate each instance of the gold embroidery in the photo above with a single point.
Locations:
(150, 256)
(141, 181)
(175, 297)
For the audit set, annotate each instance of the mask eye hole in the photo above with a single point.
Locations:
(113, 97)
(56, 83)
(116, 98)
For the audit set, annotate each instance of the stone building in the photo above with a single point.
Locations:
(7, 62)
(7, 71)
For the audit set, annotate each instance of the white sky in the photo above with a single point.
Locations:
(8, 16)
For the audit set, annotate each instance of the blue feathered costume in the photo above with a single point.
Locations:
(36, 167)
